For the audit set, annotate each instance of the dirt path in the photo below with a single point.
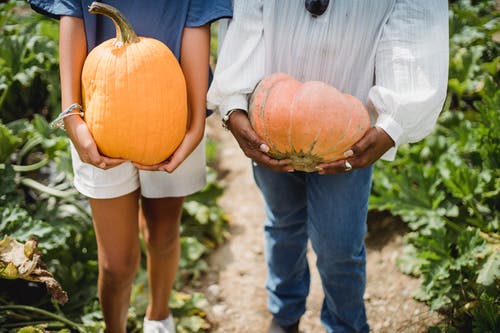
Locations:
(235, 282)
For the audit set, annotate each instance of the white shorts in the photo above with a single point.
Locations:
(97, 183)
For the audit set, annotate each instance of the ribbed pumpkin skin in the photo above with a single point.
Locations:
(309, 123)
(134, 96)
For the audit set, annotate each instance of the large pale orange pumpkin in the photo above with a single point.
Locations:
(134, 95)
(309, 123)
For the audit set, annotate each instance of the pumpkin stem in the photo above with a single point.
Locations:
(125, 34)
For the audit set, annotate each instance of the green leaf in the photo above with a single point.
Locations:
(485, 315)
(409, 262)
(192, 324)
(490, 271)
(7, 181)
(192, 248)
(8, 143)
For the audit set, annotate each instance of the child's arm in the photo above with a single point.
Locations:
(195, 55)
(72, 53)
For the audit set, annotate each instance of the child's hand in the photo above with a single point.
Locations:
(85, 145)
(153, 167)
(188, 145)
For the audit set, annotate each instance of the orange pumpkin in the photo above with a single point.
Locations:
(308, 123)
(134, 95)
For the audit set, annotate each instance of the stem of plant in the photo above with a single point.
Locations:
(30, 144)
(46, 324)
(43, 312)
(43, 188)
(490, 237)
(30, 167)
(452, 225)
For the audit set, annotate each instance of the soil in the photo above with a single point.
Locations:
(235, 282)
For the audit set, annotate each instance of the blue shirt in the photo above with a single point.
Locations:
(160, 19)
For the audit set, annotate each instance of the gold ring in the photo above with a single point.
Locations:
(348, 166)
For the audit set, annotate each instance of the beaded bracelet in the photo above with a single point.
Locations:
(73, 109)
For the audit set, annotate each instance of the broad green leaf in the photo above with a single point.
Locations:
(192, 248)
(490, 271)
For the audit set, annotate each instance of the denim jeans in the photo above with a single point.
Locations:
(331, 211)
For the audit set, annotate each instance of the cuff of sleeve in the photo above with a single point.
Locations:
(226, 13)
(389, 155)
(56, 9)
(390, 126)
(233, 102)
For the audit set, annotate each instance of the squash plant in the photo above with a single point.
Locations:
(447, 187)
(29, 76)
(37, 199)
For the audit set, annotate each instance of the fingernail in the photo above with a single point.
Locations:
(264, 148)
(290, 170)
(102, 165)
(348, 153)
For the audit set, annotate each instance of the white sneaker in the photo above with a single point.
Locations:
(159, 326)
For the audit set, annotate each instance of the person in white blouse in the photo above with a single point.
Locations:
(390, 54)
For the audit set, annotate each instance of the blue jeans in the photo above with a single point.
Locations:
(331, 211)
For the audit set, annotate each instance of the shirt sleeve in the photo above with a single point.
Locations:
(57, 8)
(411, 71)
(202, 12)
(240, 63)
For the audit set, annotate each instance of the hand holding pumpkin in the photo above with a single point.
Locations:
(252, 145)
(191, 140)
(305, 125)
(196, 76)
(307, 122)
(85, 145)
(187, 146)
(120, 101)
(363, 153)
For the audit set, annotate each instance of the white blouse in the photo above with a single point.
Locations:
(390, 54)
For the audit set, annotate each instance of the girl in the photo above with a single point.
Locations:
(126, 198)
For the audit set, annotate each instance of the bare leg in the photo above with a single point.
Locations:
(116, 228)
(159, 223)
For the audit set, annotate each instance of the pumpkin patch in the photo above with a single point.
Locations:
(308, 123)
(134, 95)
